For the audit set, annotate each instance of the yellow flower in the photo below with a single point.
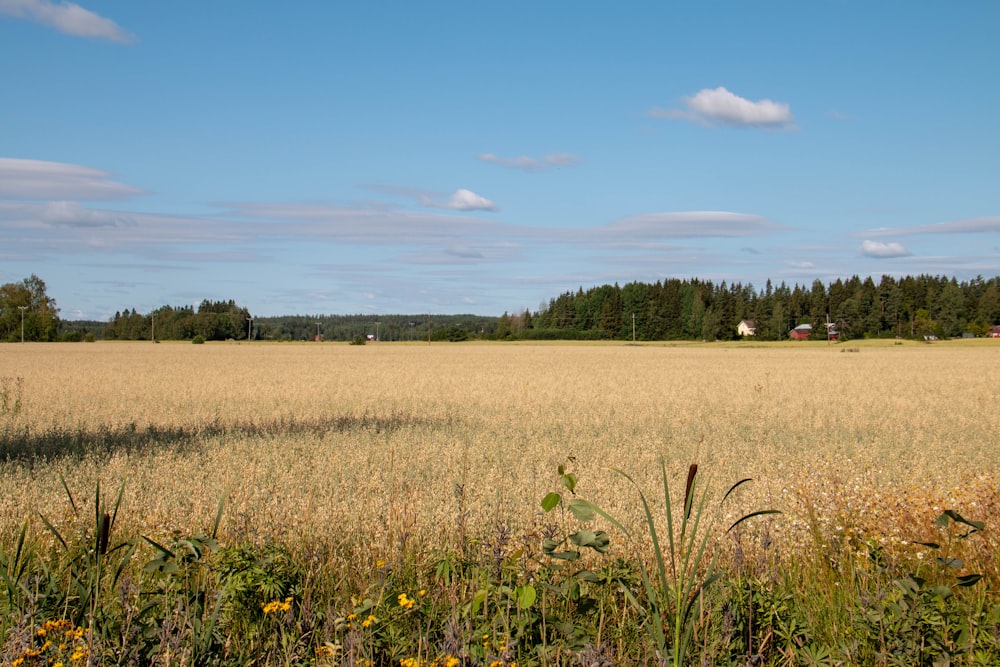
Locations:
(450, 661)
(368, 621)
(406, 602)
(277, 605)
(421, 593)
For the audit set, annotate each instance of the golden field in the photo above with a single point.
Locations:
(352, 451)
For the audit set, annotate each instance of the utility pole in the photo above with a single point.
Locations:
(317, 331)
(22, 309)
(152, 327)
(633, 328)
(249, 327)
(376, 330)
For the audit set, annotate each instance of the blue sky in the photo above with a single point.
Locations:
(446, 157)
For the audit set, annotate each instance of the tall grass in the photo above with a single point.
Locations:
(383, 470)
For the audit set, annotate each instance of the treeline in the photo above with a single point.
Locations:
(383, 327)
(674, 309)
(214, 320)
(702, 310)
(224, 320)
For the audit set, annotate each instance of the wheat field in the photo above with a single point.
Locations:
(353, 450)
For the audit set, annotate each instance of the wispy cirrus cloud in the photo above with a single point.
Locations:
(883, 250)
(690, 224)
(38, 179)
(67, 18)
(718, 106)
(984, 225)
(533, 164)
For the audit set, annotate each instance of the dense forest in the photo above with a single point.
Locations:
(674, 309)
(702, 310)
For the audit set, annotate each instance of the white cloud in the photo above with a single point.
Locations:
(67, 18)
(878, 249)
(462, 200)
(37, 179)
(720, 107)
(71, 214)
(532, 164)
(690, 224)
(989, 224)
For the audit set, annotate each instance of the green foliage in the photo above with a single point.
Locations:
(556, 595)
(673, 597)
(920, 616)
(25, 307)
(198, 340)
(214, 320)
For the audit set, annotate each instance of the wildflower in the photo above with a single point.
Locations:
(406, 602)
(277, 605)
(450, 661)
(422, 592)
(367, 623)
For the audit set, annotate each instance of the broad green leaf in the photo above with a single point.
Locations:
(596, 540)
(550, 501)
(565, 555)
(526, 596)
(569, 481)
(548, 546)
(581, 509)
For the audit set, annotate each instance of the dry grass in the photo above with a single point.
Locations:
(352, 451)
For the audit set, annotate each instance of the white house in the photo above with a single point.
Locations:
(746, 328)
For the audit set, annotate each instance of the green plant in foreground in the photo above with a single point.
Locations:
(682, 576)
(920, 620)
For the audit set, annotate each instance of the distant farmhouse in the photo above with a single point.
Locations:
(746, 328)
(995, 331)
(801, 332)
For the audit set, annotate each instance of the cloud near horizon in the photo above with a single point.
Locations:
(690, 224)
(532, 164)
(67, 18)
(38, 179)
(986, 224)
(883, 250)
(718, 106)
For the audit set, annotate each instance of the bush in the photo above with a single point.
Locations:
(198, 340)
